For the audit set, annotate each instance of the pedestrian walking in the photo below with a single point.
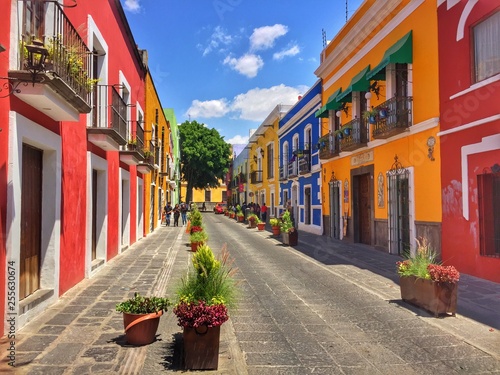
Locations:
(177, 214)
(184, 210)
(263, 212)
(168, 213)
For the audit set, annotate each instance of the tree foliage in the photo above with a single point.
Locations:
(204, 156)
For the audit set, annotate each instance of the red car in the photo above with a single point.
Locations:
(220, 208)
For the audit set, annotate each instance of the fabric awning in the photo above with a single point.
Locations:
(400, 52)
(331, 105)
(358, 83)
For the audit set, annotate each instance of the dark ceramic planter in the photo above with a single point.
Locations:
(291, 238)
(437, 298)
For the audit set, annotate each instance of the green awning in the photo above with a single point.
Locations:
(358, 83)
(400, 52)
(331, 105)
(322, 112)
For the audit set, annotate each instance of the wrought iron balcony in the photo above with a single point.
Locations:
(108, 129)
(256, 177)
(148, 164)
(328, 146)
(354, 135)
(393, 117)
(283, 173)
(66, 78)
(134, 151)
(305, 164)
(293, 168)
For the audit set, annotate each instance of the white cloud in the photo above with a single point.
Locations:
(238, 140)
(208, 108)
(256, 104)
(248, 64)
(132, 6)
(292, 51)
(218, 40)
(264, 37)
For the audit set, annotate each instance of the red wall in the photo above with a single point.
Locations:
(4, 136)
(460, 237)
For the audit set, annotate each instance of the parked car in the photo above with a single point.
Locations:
(219, 208)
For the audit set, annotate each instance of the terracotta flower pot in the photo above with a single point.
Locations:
(195, 245)
(140, 329)
(261, 226)
(201, 348)
(276, 231)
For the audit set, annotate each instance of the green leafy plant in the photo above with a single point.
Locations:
(418, 264)
(200, 236)
(286, 224)
(143, 305)
(208, 289)
(195, 217)
(370, 113)
(274, 222)
(254, 218)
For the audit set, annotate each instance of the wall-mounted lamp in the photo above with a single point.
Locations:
(255, 158)
(261, 152)
(344, 108)
(375, 88)
(431, 141)
(332, 178)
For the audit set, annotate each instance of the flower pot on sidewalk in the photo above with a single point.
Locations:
(201, 348)
(140, 329)
(261, 226)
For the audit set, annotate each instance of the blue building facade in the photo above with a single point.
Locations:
(300, 168)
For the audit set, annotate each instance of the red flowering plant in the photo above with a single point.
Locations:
(207, 290)
(195, 229)
(443, 274)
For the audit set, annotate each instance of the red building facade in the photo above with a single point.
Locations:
(71, 197)
(469, 56)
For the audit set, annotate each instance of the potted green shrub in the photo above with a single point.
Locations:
(275, 226)
(141, 316)
(203, 299)
(253, 220)
(371, 115)
(427, 284)
(288, 231)
(197, 237)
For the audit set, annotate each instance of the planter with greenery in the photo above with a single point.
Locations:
(427, 284)
(141, 316)
(204, 296)
(371, 115)
(198, 237)
(288, 231)
(275, 226)
(253, 220)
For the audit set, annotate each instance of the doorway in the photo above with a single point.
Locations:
(335, 215)
(362, 203)
(31, 221)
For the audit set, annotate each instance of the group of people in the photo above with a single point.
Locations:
(252, 208)
(179, 210)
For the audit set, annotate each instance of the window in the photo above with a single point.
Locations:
(487, 47)
(489, 214)
(224, 195)
(270, 161)
(34, 16)
(208, 195)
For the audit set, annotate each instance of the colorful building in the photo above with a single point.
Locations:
(469, 79)
(156, 152)
(173, 192)
(380, 151)
(263, 159)
(72, 196)
(299, 164)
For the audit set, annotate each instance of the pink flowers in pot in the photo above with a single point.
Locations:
(200, 313)
(443, 274)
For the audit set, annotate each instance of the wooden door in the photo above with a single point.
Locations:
(364, 209)
(31, 221)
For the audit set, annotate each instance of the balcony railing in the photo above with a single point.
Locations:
(68, 56)
(283, 173)
(393, 117)
(256, 177)
(305, 164)
(293, 168)
(118, 113)
(357, 135)
(328, 146)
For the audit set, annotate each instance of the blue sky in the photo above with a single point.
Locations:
(228, 63)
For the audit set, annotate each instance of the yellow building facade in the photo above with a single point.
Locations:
(380, 118)
(263, 159)
(156, 150)
(210, 196)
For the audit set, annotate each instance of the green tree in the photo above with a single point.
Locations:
(204, 156)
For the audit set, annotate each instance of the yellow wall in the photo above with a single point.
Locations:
(410, 147)
(153, 105)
